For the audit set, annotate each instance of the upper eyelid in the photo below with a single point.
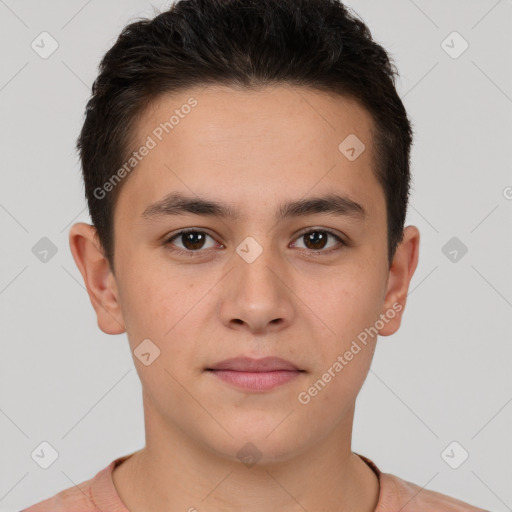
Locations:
(298, 235)
(341, 240)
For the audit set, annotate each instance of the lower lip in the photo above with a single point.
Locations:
(256, 381)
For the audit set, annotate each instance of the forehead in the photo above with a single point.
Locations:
(243, 143)
(216, 114)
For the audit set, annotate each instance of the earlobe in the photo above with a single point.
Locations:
(400, 274)
(97, 276)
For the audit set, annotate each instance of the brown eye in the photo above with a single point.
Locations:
(316, 240)
(191, 241)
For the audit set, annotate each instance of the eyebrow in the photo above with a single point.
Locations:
(176, 203)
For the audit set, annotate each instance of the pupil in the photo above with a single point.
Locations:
(315, 237)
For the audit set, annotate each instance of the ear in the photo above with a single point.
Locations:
(98, 277)
(402, 269)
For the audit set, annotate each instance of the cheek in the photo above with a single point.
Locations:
(346, 357)
(152, 296)
(350, 308)
(352, 302)
(169, 310)
(144, 302)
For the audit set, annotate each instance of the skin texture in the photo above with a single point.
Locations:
(254, 150)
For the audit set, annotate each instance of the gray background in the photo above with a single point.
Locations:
(445, 376)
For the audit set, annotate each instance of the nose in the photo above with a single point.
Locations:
(258, 297)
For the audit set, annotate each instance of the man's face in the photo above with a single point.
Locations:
(258, 285)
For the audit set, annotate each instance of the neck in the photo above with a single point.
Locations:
(175, 473)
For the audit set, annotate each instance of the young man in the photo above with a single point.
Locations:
(246, 166)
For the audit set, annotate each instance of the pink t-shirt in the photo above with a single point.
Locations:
(99, 495)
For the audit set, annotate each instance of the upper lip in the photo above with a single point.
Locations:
(248, 364)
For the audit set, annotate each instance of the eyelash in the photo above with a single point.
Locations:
(168, 241)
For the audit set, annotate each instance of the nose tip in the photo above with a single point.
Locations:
(257, 299)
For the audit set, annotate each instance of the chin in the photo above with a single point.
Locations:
(259, 443)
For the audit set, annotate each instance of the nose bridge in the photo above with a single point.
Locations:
(258, 297)
(257, 268)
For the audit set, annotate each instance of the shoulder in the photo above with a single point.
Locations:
(88, 496)
(400, 495)
(397, 494)
(74, 498)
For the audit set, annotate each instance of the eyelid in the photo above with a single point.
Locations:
(167, 240)
(319, 228)
(341, 240)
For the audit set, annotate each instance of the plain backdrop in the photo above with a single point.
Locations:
(444, 377)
